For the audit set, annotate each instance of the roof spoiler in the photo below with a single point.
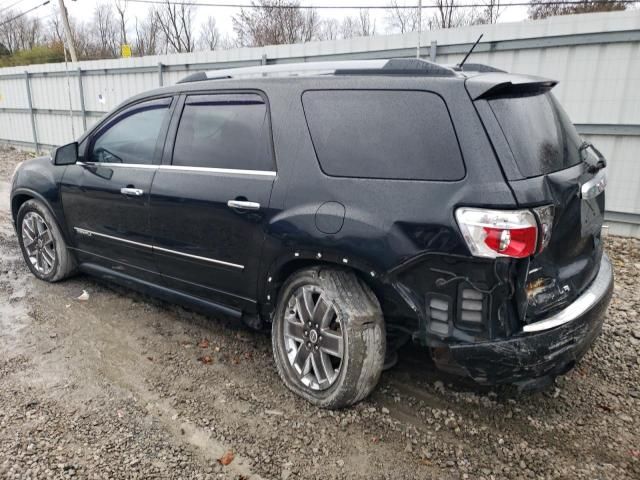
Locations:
(494, 85)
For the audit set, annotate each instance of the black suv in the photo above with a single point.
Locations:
(349, 205)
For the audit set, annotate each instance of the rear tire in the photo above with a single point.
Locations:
(334, 358)
(43, 246)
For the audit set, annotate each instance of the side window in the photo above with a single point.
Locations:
(224, 131)
(133, 137)
(388, 134)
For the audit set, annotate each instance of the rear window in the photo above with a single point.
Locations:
(540, 135)
(383, 134)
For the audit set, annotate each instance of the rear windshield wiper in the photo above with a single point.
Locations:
(601, 162)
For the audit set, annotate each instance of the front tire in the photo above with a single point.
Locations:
(42, 244)
(328, 337)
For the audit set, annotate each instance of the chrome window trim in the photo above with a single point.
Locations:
(115, 164)
(231, 171)
(234, 171)
(592, 295)
(90, 233)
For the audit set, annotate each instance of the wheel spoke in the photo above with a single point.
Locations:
(294, 329)
(39, 261)
(28, 230)
(46, 237)
(48, 257)
(320, 310)
(302, 359)
(332, 343)
(30, 245)
(327, 317)
(309, 305)
(301, 308)
(322, 367)
(40, 226)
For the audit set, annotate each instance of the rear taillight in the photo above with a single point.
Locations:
(498, 233)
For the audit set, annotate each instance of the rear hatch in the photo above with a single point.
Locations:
(551, 169)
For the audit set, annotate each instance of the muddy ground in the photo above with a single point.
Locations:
(116, 387)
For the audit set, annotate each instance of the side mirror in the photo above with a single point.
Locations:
(66, 155)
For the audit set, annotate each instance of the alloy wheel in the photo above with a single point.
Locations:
(313, 337)
(38, 243)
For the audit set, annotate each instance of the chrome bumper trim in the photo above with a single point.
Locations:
(592, 295)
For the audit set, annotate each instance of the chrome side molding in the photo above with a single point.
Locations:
(90, 233)
(592, 295)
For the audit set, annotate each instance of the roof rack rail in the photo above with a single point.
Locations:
(394, 66)
(480, 68)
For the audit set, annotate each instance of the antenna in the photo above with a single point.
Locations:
(469, 52)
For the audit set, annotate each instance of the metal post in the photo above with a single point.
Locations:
(160, 68)
(419, 28)
(33, 116)
(433, 50)
(67, 31)
(263, 60)
(81, 91)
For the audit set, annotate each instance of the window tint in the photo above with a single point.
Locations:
(539, 132)
(133, 138)
(224, 131)
(383, 134)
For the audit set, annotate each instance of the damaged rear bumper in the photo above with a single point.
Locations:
(547, 348)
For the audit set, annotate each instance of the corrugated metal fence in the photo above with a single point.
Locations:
(596, 58)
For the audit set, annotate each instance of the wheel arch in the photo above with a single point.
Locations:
(22, 195)
(281, 269)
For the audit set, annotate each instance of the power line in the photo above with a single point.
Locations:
(369, 7)
(4, 9)
(24, 13)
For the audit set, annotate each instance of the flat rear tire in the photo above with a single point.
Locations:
(328, 337)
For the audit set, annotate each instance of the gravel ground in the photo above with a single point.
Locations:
(123, 386)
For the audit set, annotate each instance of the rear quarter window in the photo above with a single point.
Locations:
(540, 135)
(398, 135)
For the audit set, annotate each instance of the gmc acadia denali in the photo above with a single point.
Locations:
(346, 205)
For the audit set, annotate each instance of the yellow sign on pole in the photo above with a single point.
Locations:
(125, 51)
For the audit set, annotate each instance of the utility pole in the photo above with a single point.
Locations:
(419, 27)
(67, 31)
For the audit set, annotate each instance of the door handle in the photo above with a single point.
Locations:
(243, 204)
(133, 192)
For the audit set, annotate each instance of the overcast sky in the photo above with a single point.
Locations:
(223, 15)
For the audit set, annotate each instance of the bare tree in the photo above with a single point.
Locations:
(401, 20)
(543, 8)
(209, 35)
(176, 24)
(450, 14)
(329, 29)
(80, 33)
(147, 41)
(490, 12)
(275, 22)
(105, 31)
(359, 26)
(121, 11)
(21, 33)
